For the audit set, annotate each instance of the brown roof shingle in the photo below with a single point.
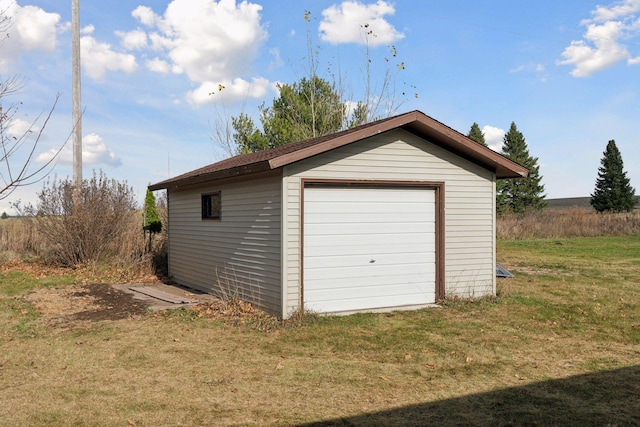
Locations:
(415, 122)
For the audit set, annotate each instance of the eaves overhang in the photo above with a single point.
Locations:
(415, 122)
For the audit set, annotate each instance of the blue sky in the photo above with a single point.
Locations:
(567, 73)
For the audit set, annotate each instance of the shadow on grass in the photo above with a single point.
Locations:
(610, 398)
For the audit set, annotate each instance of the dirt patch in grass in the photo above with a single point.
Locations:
(86, 303)
(66, 306)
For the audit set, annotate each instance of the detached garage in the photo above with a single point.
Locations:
(395, 214)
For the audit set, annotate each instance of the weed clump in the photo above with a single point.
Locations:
(239, 313)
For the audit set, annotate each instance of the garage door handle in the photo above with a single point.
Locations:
(372, 261)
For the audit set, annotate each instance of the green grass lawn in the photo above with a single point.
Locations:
(560, 345)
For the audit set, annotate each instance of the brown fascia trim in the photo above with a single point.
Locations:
(217, 183)
(415, 122)
(340, 141)
(465, 147)
(421, 125)
(213, 176)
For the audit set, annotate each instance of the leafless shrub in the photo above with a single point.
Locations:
(549, 223)
(100, 226)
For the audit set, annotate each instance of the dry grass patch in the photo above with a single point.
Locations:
(562, 223)
(559, 346)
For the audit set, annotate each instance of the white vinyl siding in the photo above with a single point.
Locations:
(236, 256)
(401, 156)
(368, 248)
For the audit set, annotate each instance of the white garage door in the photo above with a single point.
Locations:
(368, 247)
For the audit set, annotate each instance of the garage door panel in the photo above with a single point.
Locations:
(356, 194)
(326, 296)
(373, 248)
(363, 303)
(345, 229)
(327, 231)
(395, 208)
(380, 264)
(334, 279)
(366, 217)
(338, 242)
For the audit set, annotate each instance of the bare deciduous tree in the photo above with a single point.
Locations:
(18, 149)
(18, 146)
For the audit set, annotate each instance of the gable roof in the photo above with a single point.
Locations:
(415, 122)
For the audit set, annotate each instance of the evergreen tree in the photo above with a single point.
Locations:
(476, 134)
(304, 110)
(520, 194)
(247, 137)
(152, 222)
(613, 190)
(4, 215)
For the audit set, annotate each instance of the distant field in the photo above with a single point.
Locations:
(576, 202)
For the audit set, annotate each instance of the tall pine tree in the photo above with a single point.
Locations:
(520, 194)
(613, 190)
(476, 134)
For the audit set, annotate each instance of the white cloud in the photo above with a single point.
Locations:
(158, 65)
(277, 61)
(618, 10)
(606, 39)
(94, 152)
(133, 40)
(145, 15)
(31, 29)
(98, 57)
(160, 43)
(235, 90)
(18, 128)
(494, 137)
(540, 71)
(355, 22)
(89, 29)
(211, 42)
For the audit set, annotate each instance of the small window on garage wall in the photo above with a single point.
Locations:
(211, 205)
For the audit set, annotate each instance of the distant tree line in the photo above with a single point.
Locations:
(613, 191)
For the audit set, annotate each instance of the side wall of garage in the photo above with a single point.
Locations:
(237, 255)
(401, 156)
